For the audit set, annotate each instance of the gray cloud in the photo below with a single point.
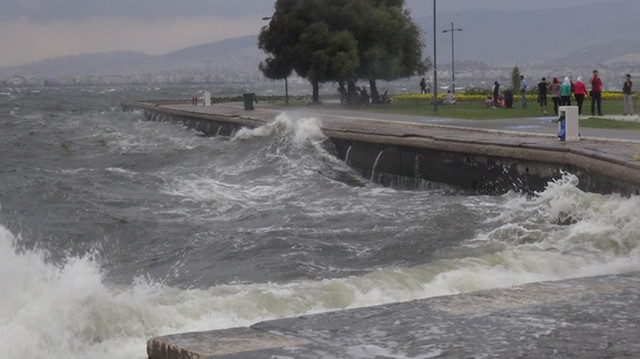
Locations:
(43, 11)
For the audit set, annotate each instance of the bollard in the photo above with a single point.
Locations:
(568, 125)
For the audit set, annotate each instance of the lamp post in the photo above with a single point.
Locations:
(435, 66)
(286, 78)
(453, 71)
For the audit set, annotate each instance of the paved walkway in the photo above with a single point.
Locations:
(621, 144)
(531, 125)
(538, 125)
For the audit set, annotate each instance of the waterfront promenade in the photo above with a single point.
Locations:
(592, 317)
(601, 155)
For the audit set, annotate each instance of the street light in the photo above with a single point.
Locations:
(435, 66)
(453, 71)
(286, 82)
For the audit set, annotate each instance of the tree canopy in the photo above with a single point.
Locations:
(515, 78)
(342, 41)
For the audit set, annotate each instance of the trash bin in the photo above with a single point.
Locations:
(568, 126)
(508, 98)
(249, 99)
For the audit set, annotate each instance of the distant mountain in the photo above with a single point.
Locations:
(213, 49)
(237, 55)
(608, 52)
(82, 65)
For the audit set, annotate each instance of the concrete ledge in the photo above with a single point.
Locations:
(594, 317)
(216, 343)
(483, 160)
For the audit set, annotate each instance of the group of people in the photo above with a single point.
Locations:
(498, 100)
(424, 86)
(561, 94)
(362, 97)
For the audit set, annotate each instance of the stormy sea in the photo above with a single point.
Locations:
(114, 229)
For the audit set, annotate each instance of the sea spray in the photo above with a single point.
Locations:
(73, 307)
(295, 131)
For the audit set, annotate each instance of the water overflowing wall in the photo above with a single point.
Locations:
(408, 167)
(408, 163)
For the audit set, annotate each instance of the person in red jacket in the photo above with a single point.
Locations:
(579, 92)
(596, 93)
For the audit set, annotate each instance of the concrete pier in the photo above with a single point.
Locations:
(503, 155)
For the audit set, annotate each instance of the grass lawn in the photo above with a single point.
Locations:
(478, 111)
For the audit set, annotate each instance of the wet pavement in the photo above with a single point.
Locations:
(594, 317)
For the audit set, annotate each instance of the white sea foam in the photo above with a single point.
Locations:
(264, 178)
(71, 311)
(298, 131)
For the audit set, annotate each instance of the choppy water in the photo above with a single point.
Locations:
(114, 229)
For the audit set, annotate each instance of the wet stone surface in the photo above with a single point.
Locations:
(596, 317)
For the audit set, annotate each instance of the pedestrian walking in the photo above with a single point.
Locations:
(523, 91)
(554, 90)
(542, 95)
(596, 94)
(565, 92)
(579, 92)
(627, 94)
(423, 86)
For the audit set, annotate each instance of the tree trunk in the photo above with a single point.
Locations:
(375, 96)
(343, 93)
(315, 97)
(352, 93)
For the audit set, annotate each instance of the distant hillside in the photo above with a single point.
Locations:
(82, 65)
(237, 55)
(219, 48)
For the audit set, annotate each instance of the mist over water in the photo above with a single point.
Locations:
(114, 229)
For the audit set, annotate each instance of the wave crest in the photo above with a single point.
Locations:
(296, 131)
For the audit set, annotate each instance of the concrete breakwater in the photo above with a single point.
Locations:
(592, 317)
(406, 154)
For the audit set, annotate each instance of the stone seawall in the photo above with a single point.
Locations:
(410, 155)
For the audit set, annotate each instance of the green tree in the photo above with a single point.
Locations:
(515, 79)
(342, 41)
(391, 46)
(328, 55)
(299, 38)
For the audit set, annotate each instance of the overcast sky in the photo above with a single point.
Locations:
(32, 30)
